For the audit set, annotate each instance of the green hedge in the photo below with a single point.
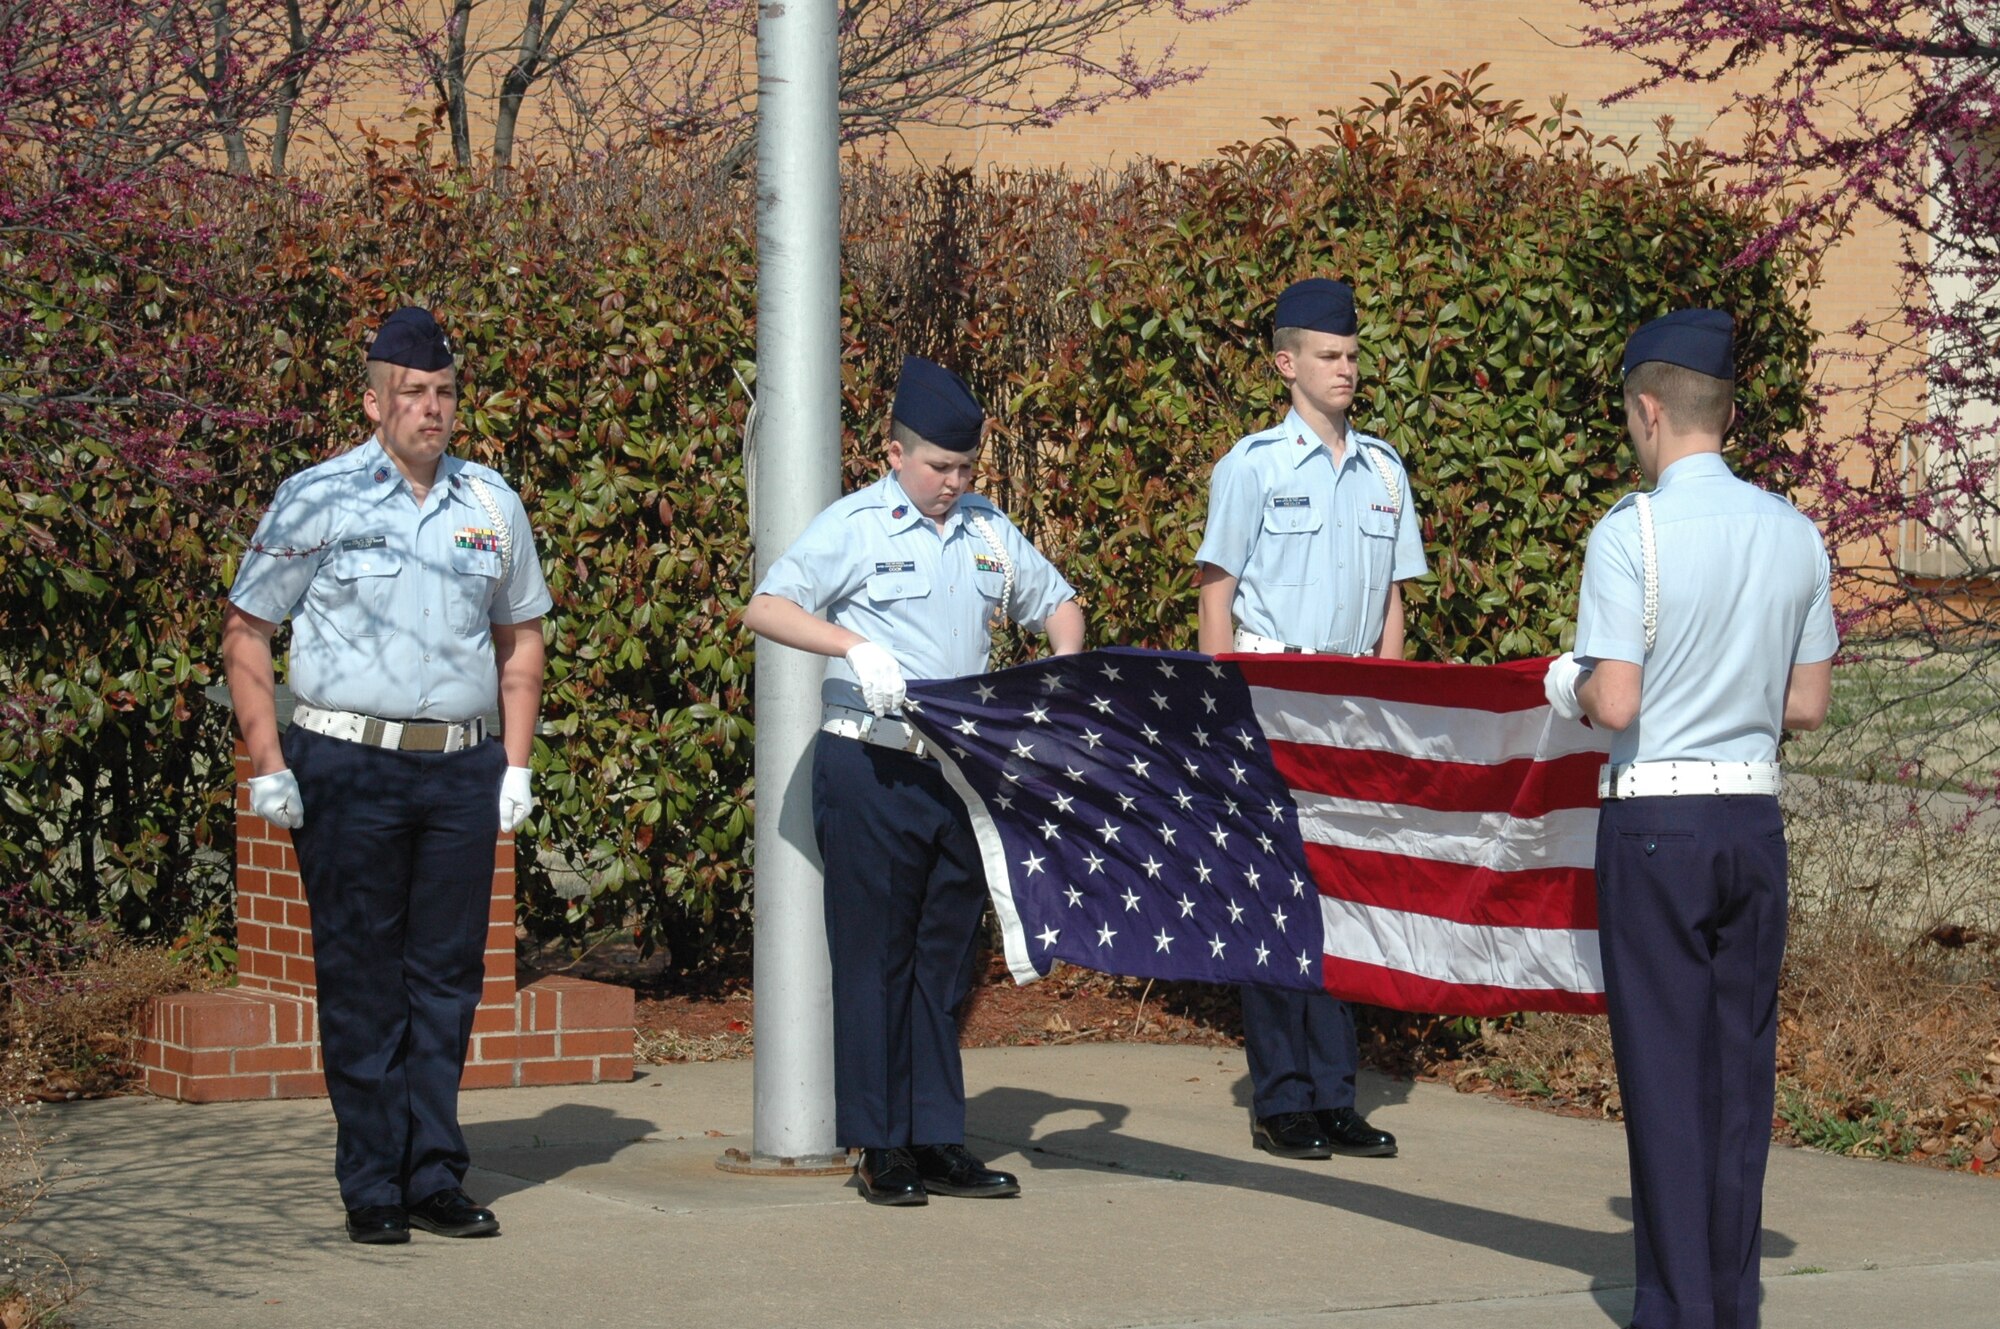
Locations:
(1116, 325)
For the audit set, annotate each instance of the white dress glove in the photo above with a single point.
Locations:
(517, 800)
(275, 798)
(880, 677)
(1559, 686)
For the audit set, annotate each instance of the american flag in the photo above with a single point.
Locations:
(1418, 836)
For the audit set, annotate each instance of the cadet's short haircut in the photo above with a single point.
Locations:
(1693, 401)
(910, 438)
(1288, 339)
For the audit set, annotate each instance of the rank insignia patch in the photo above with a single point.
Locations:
(381, 474)
(899, 511)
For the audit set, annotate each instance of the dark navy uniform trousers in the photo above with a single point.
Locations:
(397, 857)
(1691, 914)
(904, 892)
(1301, 1048)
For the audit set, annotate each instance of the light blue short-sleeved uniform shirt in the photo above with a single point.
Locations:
(1313, 544)
(875, 565)
(392, 604)
(1743, 596)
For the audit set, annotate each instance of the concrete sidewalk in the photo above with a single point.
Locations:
(1143, 1204)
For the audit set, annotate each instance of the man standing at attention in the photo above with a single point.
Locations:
(416, 597)
(1704, 628)
(1311, 531)
(912, 575)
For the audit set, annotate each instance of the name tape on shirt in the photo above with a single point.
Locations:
(1292, 501)
(906, 565)
(364, 542)
(478, 537)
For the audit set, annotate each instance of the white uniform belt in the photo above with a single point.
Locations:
(1250, 643)
(883, 731)
(1665, 779)
(403, 735)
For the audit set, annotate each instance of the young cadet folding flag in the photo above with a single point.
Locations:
(1410, 835)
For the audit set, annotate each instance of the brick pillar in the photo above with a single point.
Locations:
(261, 1038)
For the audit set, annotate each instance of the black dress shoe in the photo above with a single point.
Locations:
(1291, 1135)
(451, 1213)
(1352, 1135)
(889, 1176)
(950, 1169)
(378, 1225)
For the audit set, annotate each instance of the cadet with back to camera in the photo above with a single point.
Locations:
(1704, 629)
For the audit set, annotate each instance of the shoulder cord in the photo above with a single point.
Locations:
(992, 538)
(500, 524)
(1387, 470)
(1649, 556)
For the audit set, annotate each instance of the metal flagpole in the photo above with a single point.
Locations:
(793, 472)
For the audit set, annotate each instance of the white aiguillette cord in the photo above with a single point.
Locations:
(500, 526)
(992, 538)
(1649, 558)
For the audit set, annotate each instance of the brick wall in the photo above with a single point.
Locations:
(261, 1038)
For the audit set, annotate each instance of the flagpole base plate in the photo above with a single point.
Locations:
(744, 1164)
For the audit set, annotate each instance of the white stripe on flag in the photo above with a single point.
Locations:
(999, 881)
(1530, 959)
(1565, 838)
(1434, 733)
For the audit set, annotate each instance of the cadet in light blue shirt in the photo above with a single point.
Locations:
(391, 600)
(906, 578)
(1704, 693)
(1311, 532)
(1704, 628)
(928, 592)
(415, 595)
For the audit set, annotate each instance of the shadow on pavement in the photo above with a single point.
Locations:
(1015, 1115)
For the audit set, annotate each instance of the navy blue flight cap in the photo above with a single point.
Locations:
(410, 337)
(936, 404)
(1319, 303)
(1703, 340)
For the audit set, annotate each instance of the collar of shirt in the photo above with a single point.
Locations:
(1303, 442)
(372, 459)
(1700, 466)
(895, 501)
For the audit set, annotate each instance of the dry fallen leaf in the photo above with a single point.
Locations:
(1057, 1024)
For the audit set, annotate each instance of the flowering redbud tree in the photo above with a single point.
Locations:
(117, 310)
(1864, 111)
(683, 72)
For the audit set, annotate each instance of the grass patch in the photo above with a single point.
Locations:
(1910, 715)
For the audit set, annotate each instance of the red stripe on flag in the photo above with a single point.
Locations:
(1480, 897)
(1513, 686)
(1522, 788)
(1352, 980)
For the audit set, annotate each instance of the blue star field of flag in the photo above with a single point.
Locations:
(1126, 801)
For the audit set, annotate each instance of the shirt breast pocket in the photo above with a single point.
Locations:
(1378, 546)
(885, 588)
(1290, 523)
(992, 585)
(364, 591)
(475, 577)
